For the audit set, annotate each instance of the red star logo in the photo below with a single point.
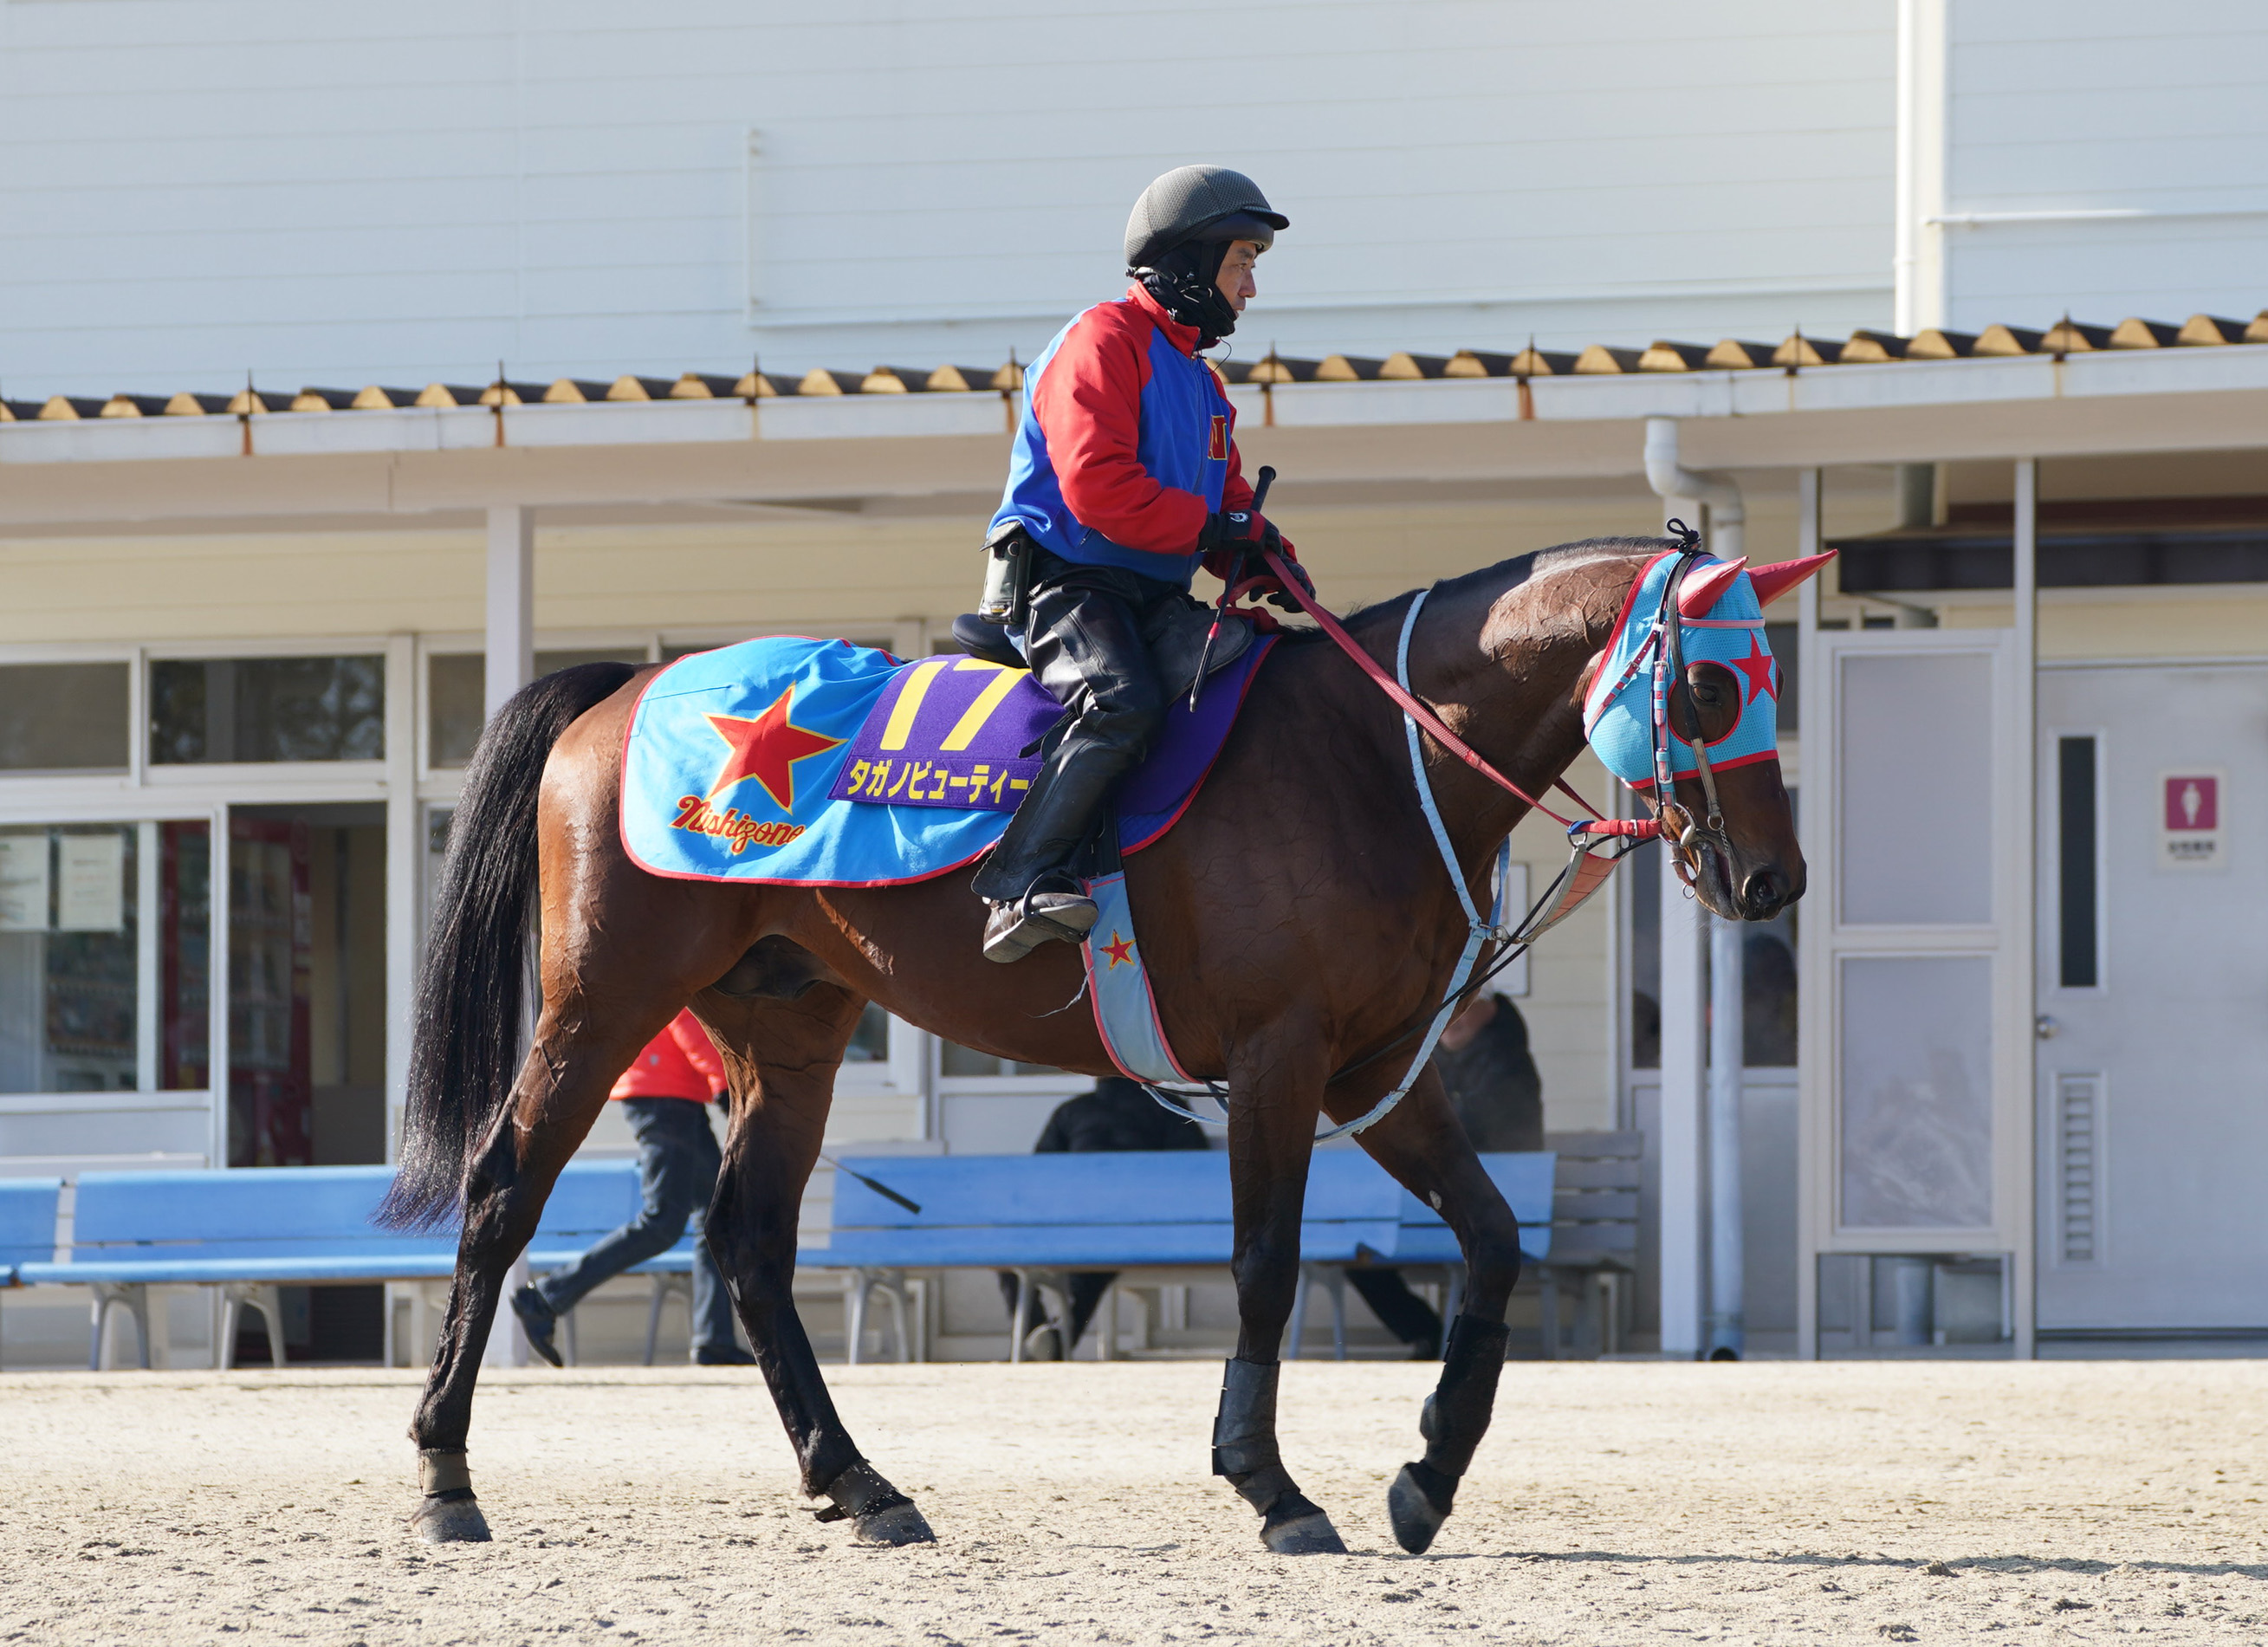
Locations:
(766, 749)
(1118, 949)
(1757, 667)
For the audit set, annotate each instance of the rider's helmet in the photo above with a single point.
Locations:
(1182, 230)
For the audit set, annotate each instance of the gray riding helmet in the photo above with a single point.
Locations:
(1190, 199)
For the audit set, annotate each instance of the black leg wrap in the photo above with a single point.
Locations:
(1244, 1451)
(878, 1512)
(1456, 1414)
(1455, 1419)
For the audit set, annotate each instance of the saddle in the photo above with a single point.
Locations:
(1175, 632)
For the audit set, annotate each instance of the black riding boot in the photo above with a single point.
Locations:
(1086, 648)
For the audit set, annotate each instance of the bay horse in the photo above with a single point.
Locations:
(1297, 920)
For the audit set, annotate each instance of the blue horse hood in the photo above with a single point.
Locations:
(1619, 715)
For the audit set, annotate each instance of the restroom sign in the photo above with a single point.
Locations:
(2190, 833)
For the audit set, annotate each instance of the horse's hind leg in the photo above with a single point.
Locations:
(778, 1122)
(1422, 1144)
(558, 1095)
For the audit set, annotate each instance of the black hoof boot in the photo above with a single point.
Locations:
(1417, 1502)
(1244, 1451)
(878, 1512)
(448, 1513)
(1293, 1527)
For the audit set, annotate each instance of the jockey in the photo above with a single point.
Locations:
(1121, 476)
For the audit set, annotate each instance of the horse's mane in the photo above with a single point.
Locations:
(1507, 574)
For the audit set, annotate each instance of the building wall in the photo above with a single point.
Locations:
(886, 579)
(340, 195)
(2102, 160)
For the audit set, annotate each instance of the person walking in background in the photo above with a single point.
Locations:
(1118, 1114)
(1497, 1094)
(665, 1095)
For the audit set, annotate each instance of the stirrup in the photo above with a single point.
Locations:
(1015, 928)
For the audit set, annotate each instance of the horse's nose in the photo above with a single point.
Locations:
(1763, 893)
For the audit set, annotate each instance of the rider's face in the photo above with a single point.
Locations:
(1235, 278)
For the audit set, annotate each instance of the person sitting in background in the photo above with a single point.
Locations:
(1118, 1114)
(665, 1095)
(1497, 1094)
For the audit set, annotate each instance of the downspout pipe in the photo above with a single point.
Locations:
(1671, 481)
(1724, 1333)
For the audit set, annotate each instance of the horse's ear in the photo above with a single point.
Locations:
(1772, 582)
(1704, 590)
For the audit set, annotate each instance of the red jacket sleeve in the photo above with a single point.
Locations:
(1088, 405)
(699, 1050)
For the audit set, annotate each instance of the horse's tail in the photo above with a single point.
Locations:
(472, 988)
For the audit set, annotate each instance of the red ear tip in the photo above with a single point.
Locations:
(1772, 582)
(1702, 594)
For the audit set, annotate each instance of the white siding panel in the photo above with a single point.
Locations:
(2064, 106)
(415, 191)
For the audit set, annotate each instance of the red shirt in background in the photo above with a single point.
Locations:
(681, 1061)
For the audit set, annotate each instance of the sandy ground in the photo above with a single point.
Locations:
(1611, 1504)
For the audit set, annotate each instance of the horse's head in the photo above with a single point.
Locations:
(1682, 705)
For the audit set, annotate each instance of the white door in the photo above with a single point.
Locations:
(1915, 1071)
(2153, 962)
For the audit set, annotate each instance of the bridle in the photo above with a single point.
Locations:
(1678, 828)
(1585, 873)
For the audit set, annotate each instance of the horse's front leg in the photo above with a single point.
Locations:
(779, 1121)
(1423, 1145)
(1271, 1129)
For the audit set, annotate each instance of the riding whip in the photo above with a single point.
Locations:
(1228, 589)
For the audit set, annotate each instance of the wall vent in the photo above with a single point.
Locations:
(2079, 1162)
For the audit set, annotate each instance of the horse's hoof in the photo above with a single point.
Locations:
(894, 1525)
(1415, 1519)
(440, 1520)
(1307, 1535)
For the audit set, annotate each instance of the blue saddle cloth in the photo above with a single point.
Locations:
(818, 763)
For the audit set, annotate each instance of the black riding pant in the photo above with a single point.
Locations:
(1084, 641)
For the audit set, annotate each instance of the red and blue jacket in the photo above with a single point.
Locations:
(1126, 444)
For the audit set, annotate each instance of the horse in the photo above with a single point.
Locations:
(1296, 921)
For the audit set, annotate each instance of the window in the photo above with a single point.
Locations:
(63, 717)
(968, 1062)
(870, 1042)
(456, 694)
(1768, 981)
(204, 710)
(97, 992)
(2076, 874)
(1780, 641)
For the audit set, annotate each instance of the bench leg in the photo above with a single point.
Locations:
(136, 1297)
(1016, 1322)
(663, 1286)
(896, 1289)
(1548, 1312)
(854, 1316)
(1105, 1343)
(1299, 1314)
(1335, 1280)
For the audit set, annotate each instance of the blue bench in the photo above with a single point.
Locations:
(1424, 1243)
(27, 1224)
(1041, 1216)
(250, 1230)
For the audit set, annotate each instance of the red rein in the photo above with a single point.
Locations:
(1641, 829)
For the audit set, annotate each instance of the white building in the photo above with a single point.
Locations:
(265, 626)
